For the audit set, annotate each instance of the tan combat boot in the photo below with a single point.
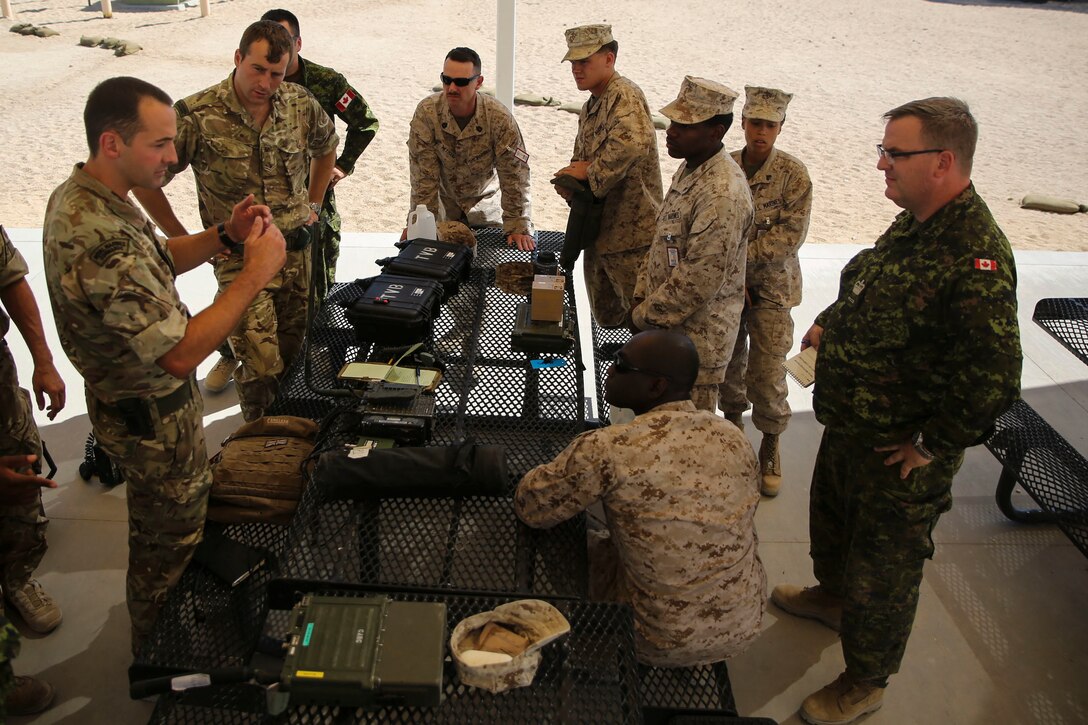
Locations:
(843, 701)
(809, 602)
(29, 696)
(36, 607)
(770, 465)
(219, 377)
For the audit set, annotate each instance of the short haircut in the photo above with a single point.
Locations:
(114, 105)
(612, 46)
(947, 123)
(725, 119)
(279, 40)
(466, 55)
(279, 15)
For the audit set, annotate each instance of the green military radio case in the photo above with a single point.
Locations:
(541, 337)
(365, 652)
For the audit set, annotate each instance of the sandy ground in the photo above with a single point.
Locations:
(1020, 66)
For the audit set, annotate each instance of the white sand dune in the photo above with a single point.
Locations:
(1020, 66)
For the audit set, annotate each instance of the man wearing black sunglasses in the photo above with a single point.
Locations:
(464, 148)
(680, 546)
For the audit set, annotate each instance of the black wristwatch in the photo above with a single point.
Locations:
(232, 246)
(919, 445)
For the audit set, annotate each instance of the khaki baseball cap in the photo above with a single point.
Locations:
(585, 40)
(767, 104)
(700, 99)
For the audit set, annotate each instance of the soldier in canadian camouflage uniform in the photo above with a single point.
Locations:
(682, 545)
(464, 148)
(616, 153)
(782, 196)
(693, 276)
(19, 695)
(23, 524)
(340, 100)
(917, 357)
(125, 329)
(249, 134)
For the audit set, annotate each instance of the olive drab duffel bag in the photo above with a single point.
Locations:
(261, 470)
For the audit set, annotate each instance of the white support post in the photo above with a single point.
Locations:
(107, 9)
(505, 37)
(5, 6)
(205, 9)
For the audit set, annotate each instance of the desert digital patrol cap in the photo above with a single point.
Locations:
(700, 99)
(585, 40)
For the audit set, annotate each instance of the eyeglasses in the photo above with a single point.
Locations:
(459, 82)
(891, 156)
(623, 367)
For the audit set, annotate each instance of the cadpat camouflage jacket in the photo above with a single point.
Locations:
(924, 335)
(340, 100)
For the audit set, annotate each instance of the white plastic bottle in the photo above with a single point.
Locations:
(421, 224)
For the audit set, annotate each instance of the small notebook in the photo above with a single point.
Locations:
(802, 367)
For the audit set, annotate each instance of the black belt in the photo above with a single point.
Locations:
(136, 412)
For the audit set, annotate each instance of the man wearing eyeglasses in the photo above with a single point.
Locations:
(782, 196)
(615, 153)
(680, 546)
(918, 356)
(693, 276)
(466, 155)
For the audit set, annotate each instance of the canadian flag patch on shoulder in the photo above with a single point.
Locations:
(345, 100)
(987, 265)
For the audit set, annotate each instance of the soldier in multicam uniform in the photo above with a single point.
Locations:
(918, 356)
(463, 148)
(693, 276)
(681, 545)
(20, 487)
(340, 100)
(782, 196)
(250, 134)
(615, 152)
(124, 327)
(23, 524)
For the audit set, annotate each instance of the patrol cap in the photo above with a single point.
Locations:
(767, 104)
(536, 620)
(585, 40)
(700, 99)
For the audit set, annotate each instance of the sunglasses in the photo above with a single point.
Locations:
(459, 82)
(623, 367)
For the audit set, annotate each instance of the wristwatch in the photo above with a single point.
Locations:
(919, 445)
(232, 246)
(315, 207)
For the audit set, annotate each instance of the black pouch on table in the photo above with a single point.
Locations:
(232, 561)
(430, 472)
(447, 263)
(394, 309)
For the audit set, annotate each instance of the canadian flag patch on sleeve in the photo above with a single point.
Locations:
(987, 265)
(345, 100)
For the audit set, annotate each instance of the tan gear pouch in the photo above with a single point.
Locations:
(261, 470)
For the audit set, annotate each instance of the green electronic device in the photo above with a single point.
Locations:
(541, 337)
(365, 652)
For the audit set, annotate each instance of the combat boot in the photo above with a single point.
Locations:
(37, 608)
(809, 602)
(770, 465)
(843, 701)
(29, 696)
(219, 377)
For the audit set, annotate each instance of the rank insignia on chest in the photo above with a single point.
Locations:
(986, 265)
(345, 100)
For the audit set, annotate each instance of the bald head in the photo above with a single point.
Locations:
(654, 367)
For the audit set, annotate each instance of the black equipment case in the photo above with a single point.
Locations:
(395, 309)
(447, 263)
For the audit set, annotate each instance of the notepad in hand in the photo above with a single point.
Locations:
(802, 367)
